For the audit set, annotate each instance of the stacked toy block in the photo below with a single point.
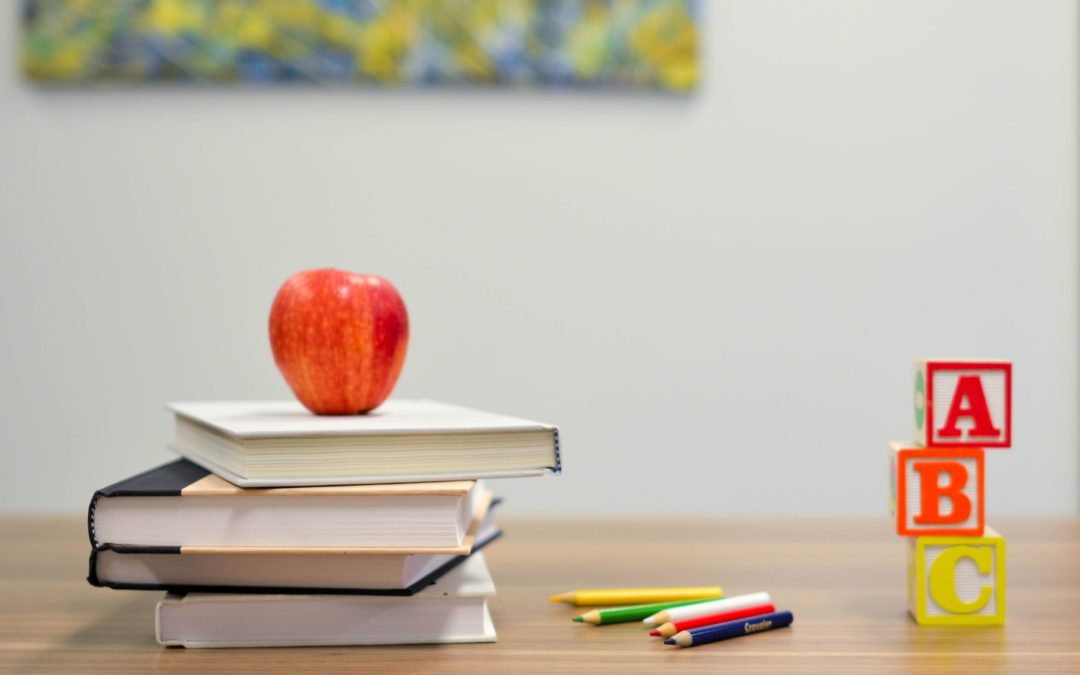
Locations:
(956, 563)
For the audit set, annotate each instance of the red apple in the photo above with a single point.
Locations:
(339, 339)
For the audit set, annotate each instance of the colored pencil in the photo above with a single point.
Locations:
(672, 627)
(635, 596)
(705, 608)
(603, 617)
(730, 629)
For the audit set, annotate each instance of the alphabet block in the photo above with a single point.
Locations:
(938, 491)
(957, 581)
(963, 404)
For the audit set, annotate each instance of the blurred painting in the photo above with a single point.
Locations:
(634, 44)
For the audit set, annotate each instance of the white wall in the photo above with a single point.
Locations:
(718, 298)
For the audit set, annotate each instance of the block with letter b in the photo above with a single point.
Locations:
(938, 491)
(963, 404)
(958, 581)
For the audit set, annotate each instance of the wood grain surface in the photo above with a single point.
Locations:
(843, 579)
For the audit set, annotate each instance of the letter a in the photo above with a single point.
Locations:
(969, 389)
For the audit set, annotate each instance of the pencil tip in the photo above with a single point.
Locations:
(556, 598)
(579, 619)
(654, 633)
(669, 641)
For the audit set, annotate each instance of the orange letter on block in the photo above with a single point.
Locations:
(932, 491)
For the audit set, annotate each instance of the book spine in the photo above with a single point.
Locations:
(90, 514)
(91, 574)
(558, 451)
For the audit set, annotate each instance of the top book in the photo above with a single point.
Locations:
(279, 443)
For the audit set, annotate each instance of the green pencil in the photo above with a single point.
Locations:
(602, 617)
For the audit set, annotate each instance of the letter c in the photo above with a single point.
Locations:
(943, 578)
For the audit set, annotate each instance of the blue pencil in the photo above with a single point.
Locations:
(730, 629)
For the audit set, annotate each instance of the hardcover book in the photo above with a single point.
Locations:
(453, 609)
(170, 569)
(279, 443)
(182, 505)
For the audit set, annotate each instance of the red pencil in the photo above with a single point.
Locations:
(672, 627)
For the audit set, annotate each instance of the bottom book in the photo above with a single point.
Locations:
(453, 609)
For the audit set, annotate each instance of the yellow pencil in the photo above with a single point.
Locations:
(604, 597)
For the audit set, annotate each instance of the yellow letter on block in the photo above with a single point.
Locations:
(957, 581)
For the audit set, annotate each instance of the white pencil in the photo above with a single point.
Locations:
(707, 608)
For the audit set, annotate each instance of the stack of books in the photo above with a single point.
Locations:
(283, 528)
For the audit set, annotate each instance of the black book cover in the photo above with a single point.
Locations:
(166, 480)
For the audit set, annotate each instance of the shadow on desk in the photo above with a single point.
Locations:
(129, 624)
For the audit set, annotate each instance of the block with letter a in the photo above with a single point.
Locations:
(938, 491)
(963, 404)
(957, 580)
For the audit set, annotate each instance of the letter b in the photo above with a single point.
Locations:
(938, 490)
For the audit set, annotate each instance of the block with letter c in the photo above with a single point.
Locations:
(957, 581)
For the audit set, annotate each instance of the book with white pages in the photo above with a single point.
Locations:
(453, 609)
(171, 569)
(280, 443)
(184, 506)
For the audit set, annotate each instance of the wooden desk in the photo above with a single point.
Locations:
(844, 580)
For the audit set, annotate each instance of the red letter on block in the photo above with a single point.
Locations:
(963, 404)
(932, 491)
(925, 477)
(969, 388)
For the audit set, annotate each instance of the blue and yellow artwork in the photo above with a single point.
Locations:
(639, 44)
